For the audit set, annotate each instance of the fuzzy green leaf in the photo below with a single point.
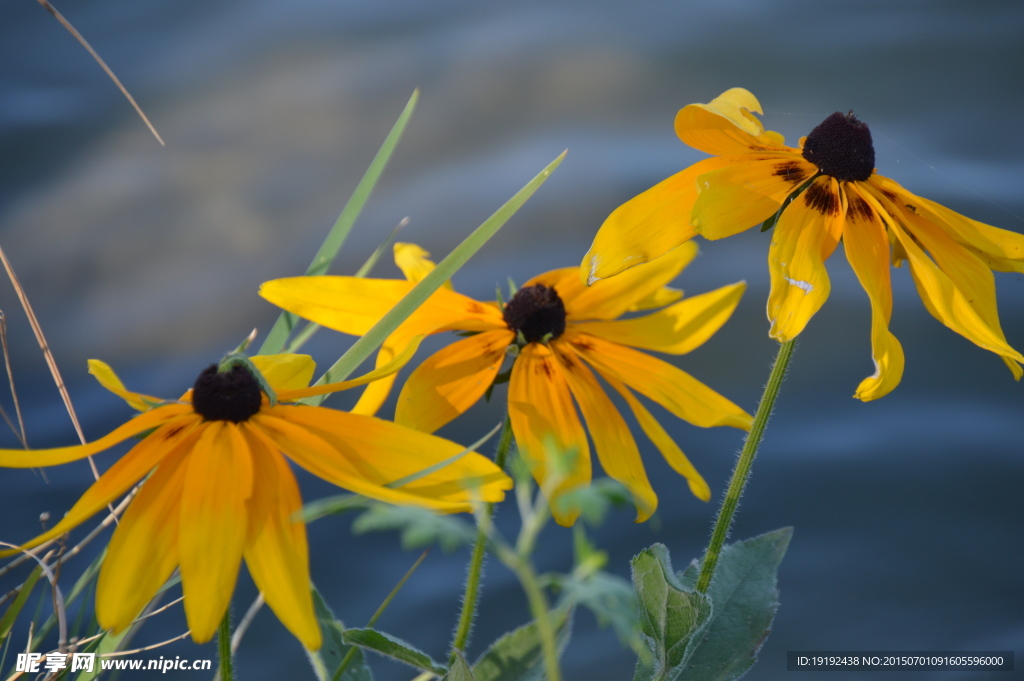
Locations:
(671, 614)
(517, 656)
(325, 661)
(388, 645)
(419, 527)
(745, 594)
(460, 670)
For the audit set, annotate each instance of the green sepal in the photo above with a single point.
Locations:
(385, 644)
(325, 662)
(745, 591)
(517, 656)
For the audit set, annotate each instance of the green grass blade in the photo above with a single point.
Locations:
(343, 225)
(362, 348)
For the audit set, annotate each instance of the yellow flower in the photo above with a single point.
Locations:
(565, 333)
(836, 195)
(219, 488)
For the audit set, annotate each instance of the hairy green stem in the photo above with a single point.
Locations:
(476, 561)
(743, 464)
(227, 671)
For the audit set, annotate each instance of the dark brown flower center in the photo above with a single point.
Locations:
(537, 312)
(232, 395)
(841, 147)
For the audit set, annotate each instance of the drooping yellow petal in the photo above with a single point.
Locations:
(127, 471)
(373, 397)
(647, 226)
(804, 237)
(611, 298)
(451, 380)
(109, 380)
(669, 386)
(39, 458)
(664, 442)
(725, 125)
(213, 524)
(548, 431)
(954, 286)
(276, 550)
(1001, 249)
(353, 305)
(143, 551)
(616, 449)
(286, 371)
(364, 454)
(867, 249)
(746, 192)
(414, 262)
(677, 329)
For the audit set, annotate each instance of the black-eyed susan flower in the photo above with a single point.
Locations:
(219, 489)
(835, 195)
(566, 336)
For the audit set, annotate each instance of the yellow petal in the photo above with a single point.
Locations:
(669, 386)
(958, 289)
(546, 426)
(747, 192)
(373, 397)
(213, 524)
(143, 551)
(1001, 249)
(384, 371)
(287, 371)
(804, 237)
(666, 295)
(647, 226)
(867, 248)
(677, 329)
(611, 298)
(616, 449)
(725, 125)
(127, 471)
(414, 262)
(39, 458)
(276, 550)
(364, 454)
(451, 381)
(109, 380)
(665, 444)
(353, 305)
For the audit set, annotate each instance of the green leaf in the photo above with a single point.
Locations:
(339, 503)
(343, 225)
(373, 338)
(7, 621)
(107, 644)
(612, 600)
(419, 527)
(460, 670)
(594, 499)
(745, 594)
(325, 661)
(388, 645)
(671, 614)
(517, 656)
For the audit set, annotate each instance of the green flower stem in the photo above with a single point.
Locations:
(539, 609)
(227, 671)
(742, 470)
(476, 562)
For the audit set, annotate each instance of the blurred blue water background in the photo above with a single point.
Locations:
(908, 511)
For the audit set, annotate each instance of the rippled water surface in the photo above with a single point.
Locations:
(907, 511)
